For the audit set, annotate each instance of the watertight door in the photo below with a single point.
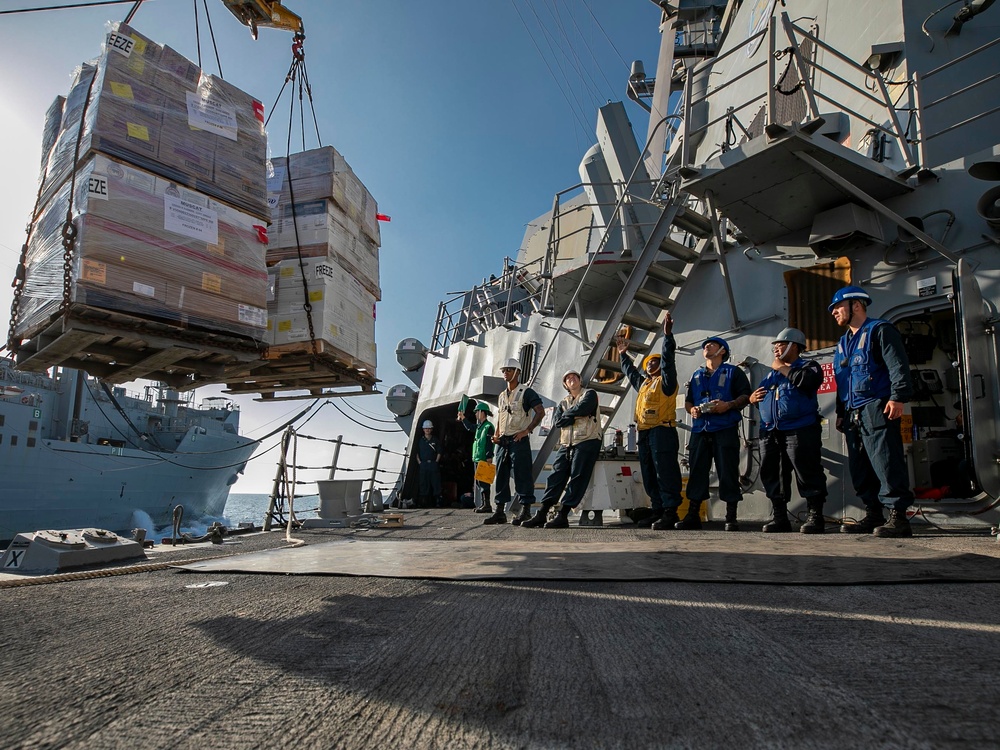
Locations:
(978, 368)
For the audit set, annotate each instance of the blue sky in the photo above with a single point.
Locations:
(461, 117)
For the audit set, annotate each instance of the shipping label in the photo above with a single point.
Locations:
(94, 272)
(97, 187)
(254, 316)
(213, 116)
(211, 282)
(121, 44)
(190, 219)
(143, 290)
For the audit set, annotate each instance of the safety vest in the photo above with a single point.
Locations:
(707, 387)
(860, 379)
(653, 407)
(786, 407)
(582, 429)
(511, 417)
(481, 446)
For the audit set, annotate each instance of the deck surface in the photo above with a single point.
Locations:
(356, 659)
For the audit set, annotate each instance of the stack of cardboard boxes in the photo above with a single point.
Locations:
(325, 215)
(167, 169)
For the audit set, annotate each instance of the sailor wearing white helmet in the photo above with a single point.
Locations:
(655, 416)
(519, 411)
(716, 393)
(790, 431)
(428, 456)
(873, 382)
(579, 444)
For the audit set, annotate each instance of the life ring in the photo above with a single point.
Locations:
(25, 399)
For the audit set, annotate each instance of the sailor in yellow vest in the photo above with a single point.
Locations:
(519, 411)
(655, 415)
(579, 444)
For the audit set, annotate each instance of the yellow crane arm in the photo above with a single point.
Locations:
(258, 13)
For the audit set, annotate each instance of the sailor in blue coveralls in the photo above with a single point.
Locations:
(715, 395)
(790, 432)
(873, 382)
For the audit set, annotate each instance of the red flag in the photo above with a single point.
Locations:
(383, 217)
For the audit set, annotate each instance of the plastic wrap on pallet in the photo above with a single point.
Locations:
(343, 311)
(150, 106)
(148, 247)
(320, 174)
(50, 130)
(321, 229)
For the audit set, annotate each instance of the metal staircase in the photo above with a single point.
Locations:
(650, 289)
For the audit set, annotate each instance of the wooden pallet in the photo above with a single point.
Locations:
(119, 348)
(293, 368)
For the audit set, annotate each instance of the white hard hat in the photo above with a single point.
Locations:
(511, 363)
(428, 425)
(571, 372)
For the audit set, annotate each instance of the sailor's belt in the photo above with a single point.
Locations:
(671, 423)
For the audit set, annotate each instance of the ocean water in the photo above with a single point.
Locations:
(250, 508)
(240, 508)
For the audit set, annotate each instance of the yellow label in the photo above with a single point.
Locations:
(138, 131)
(285, 325)
(288, 271)
(219, 249)
(906, 427)
(316, 295)
(140, 46)
(211, 283)
(95, 271)
(122, 90)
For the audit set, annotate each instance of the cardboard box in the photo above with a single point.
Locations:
(343, 312)
(172, 244)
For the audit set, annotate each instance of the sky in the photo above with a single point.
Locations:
(462, 117)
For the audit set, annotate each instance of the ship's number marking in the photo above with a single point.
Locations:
(15, 558)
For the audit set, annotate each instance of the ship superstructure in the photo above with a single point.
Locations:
(790, 150)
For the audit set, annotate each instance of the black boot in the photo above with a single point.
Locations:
(538, 520)
(872, 520)
(525, 515)
(667, 522)
(692, 521)
(731, 522)
(779, 523)
(648, 521)
(496, 518)
(561, 521)
(898, 526)
(486, 507)
(815, 522)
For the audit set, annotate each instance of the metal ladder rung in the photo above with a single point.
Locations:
(652, 298)
(664, 274)
(607, 364)
(610, 388)
(606, 410)
(693, 222)
(675, 249)
(638, 321)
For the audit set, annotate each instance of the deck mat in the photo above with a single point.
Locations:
(790, 559)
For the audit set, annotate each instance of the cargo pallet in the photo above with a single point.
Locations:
(293, 367)
(118, 348)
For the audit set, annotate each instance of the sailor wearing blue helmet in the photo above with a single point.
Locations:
(873, 382)
(715, 395)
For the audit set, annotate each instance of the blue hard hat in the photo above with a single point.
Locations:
(721, 342)
(849, 292)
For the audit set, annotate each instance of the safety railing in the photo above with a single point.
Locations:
(865, 85)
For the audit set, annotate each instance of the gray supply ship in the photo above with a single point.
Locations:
(76, 454)
(791, 148)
